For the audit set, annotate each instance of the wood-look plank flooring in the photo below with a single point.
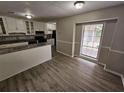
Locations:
(63, 73)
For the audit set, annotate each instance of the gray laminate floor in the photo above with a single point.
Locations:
(63, 73)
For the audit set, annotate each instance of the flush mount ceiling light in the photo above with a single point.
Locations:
(79, 4)
(28, 16)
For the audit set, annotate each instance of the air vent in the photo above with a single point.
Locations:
(11, 12)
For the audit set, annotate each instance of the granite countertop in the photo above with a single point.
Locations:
(19, 48)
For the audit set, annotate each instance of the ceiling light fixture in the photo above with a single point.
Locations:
(79, 4)
(28, 16)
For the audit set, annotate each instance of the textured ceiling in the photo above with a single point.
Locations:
(50, 9)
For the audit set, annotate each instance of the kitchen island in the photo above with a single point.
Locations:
(17, 47)
(14, 60)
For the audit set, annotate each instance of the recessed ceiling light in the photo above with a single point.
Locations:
(28, 16)
(79, 4)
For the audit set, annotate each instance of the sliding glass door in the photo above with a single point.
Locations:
(91, 40)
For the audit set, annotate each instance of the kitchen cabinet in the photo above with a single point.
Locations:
(20, 25)
(2, 26)
(15, 25)
(1, 32)
(32, 27)
(11, 24)
(51, 26)
(39, 26)
(29, 27)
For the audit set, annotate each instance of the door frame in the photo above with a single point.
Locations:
(100, 44)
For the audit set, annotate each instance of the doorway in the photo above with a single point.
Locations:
(90, 40)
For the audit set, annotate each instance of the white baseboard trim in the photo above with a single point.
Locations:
(113, 72)
(64, 53)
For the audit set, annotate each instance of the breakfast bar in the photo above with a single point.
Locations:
(14, 60)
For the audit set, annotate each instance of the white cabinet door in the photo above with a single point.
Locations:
(32, 27)
(36, 26)
(50, 26)
(11, 24)
(1, 32)
(54, 26)
(15, 25)
(20, 25)
(39, 26)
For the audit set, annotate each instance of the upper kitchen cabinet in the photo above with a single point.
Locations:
(11, 24)
(29, 27)
(32, 27)
(27, 24)
(2, 26)
(39, 26)
(15, 25)
(51, 26)
(20, 26)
